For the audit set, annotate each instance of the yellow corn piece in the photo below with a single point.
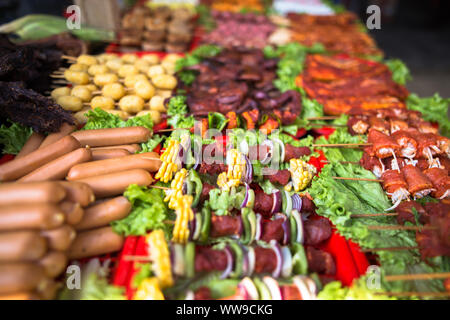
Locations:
(168, 158)
(183, 210)
(149, 290)
(301, 173)
(176, 187)
(160, 257)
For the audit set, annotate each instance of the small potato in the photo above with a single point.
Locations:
(79, 67)
(91, 87)
(114, 64)
(172, 57)
(76, 77)
(131, 79)
(164, 81)
(97, 69)
(113, 90)
(131, 104)
(102, 79)
(102, 58)
(102, 102)
(169, 67)
(87, 60)
(155, 115)
(129, 58)
(144, 89)
(58, 92)
(164, 93)
(157, 103)
(121, 114)
(126, 70)
(155, 70)
(151, 58)
(70, 103)
(80, 116)
(81, 92)
(142, 65)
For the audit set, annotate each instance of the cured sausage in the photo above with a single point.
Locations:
(95, 242)
(116, 183)
(111, 137)
(418, 183)
(20, 296)
(48, 289)
(20, 276)
(32, 192)
(30, 216)
(440, 180)
(103, 213)
(131, 148)
(64, 130)
(103, 154)
(383, 146)
(78, 192)
(21, 246)
(60, 238)
(54, 263)
(58, 168)
(102, 167)
(73, 212)
(32, 144)
(17, 168)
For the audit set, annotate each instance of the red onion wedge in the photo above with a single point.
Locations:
(296, 202)
(269, 154)
(251, 260)
(248, 170)
(277, 250)
(273, 287)
(250, 288)
(246, 197)
(276, 202)
(282, 150)
(229, 267)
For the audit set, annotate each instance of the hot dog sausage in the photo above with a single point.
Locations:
(95, 242)
(58, 168)
(54, 263)
(131, 148)
(65, 130)
(102, 154)
(102, 167)
(116, 183)
(78, 192)
(73, 212)
(20, 296)
(21, 246)
(17, 168)
(20, 276)
(30, 216)
(48, 289)
(60, 238)
(31, 192)
(103, 213)
(32, 144)
(111, 137)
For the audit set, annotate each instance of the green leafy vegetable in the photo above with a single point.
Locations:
(152, 143)
(177, 110)
(357, 291)
(14, 137)
(145, 271)
(434, 109)
(100, 119)
(149, 212)
(217, 121)
(341, 135)
(97, 287)
(400, 72)
(222, 202)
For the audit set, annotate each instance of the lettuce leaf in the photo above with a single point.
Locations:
(357, 291)
(400, 72)
(177, 110)
(149, 212)
(14, 137)
(341, 135)
(434, 109)
(100, 119)
(152, 143)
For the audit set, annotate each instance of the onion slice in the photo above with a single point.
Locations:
(281, 144)
(250, 288)
(286, 269)
(296, 202)
(277, 250)
(229, 267)
(288, 202)
(251, 260)
(276, 202)
(299, 222)
(269, 154)
(247, 190)
(248, 170)
(273, 287)
(258, 232)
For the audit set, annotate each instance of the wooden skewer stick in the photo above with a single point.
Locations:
(343, 162)
(415, 294)
(137, 258)
(166, 130)
(159, 187)
(68, 57)
(57, 76)
(413, 228)
(417, 276)
(150, 158)
(357, 179)
(326, 125)
(338, 145)
(390, 249)
(364, 215)
(323, 118)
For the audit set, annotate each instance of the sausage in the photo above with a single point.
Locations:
(103, 213)
(30, 216)
(17, 168)
(31, 192)
(95, 242)
(78, 192)
(58, 168)
(131, 148)
(73, 212)
(48, 289)
(60, 238)
(20, 296)
(32, 144)
(111, 137)
(102, 167)
(64, 130)
(116, 183)
(20, 276)
(54, 263)
(102, 154)
(22, 246)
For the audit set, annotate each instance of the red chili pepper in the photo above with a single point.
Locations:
(222, 142)
(324, 131)
(359, 257)
(300, 133)
(160, 126)
(157, 149)
(141, 250)
(318, 162)
(124, 267)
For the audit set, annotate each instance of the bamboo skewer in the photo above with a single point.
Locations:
(413, 294)
(412, 228)
(159, 187)
(417, 276)
(339, 145)
(68, 58)
(390, 249)
(357, 179)
(364, 215)
(323, 118)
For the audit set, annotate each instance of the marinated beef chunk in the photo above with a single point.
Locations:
(280, 177)
(202, 293)
(265, 260)
(263, 203)
(291, 152)
(290, 292)
(211, 169)
(308, 205)
(317, 231)
(205, 191)
(223, 226)
(405, 212)
(272, 230)
(208, 259)
(320, 261)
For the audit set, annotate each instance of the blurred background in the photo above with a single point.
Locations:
(415, 31)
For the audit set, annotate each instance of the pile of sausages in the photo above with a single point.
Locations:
(48, 213)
